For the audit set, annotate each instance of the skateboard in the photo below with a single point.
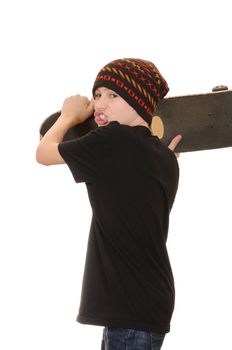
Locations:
(203, 120)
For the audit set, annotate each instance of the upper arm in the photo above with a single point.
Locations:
(49, 154)
(84, 156)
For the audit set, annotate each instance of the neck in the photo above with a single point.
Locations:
(139, 121)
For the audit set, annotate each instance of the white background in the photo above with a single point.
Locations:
(50, 50)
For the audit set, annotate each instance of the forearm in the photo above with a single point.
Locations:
(75, 110)
(47, 151)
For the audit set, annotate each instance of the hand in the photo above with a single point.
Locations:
(77, 109)
(172, 145)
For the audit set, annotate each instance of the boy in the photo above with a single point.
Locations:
(132, 179)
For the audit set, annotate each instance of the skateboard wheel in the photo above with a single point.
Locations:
(220, 88)
(157, 126)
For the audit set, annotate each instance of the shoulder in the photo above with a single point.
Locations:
(112, 131)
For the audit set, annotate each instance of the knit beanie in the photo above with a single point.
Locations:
(137, 81)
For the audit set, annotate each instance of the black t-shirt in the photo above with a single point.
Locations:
(131, 178)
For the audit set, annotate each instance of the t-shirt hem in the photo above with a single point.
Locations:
(123, 323)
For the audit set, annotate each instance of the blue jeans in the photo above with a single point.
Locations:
(130, 339)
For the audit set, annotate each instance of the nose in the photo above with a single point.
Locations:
(100, 104)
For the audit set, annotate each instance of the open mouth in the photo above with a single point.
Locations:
(100, 119)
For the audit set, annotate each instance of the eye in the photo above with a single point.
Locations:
(113, 95)
(96, 95)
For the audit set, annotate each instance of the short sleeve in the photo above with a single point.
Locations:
(84, 156)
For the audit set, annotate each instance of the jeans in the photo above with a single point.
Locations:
(130, 339)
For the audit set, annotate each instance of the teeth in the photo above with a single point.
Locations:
(101, 116)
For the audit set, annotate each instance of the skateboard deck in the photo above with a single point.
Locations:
(203, 120)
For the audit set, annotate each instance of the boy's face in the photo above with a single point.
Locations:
(109, 106)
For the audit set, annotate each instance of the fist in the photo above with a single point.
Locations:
(77, 109)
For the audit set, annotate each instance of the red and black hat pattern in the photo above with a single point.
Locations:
(137, 81)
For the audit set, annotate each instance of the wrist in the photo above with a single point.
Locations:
(67, 120)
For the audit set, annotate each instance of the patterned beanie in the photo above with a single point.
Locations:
(137, 81)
